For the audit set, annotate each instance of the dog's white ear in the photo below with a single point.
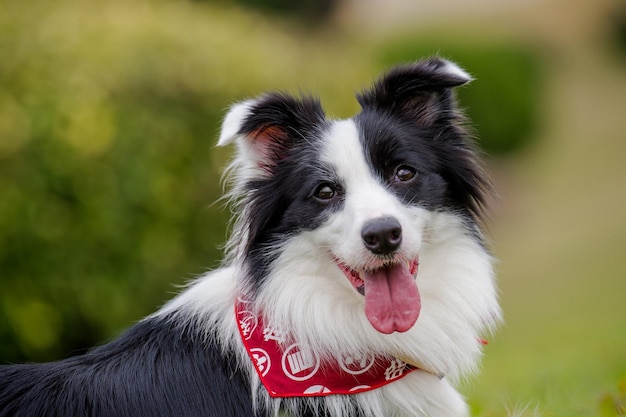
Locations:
(256, 143)
(231, 126)
(266, 128)
(253, 148)
(421, 91)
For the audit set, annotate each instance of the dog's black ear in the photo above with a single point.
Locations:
(421, 91)
(267, 127)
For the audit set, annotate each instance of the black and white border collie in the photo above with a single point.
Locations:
(356, 238)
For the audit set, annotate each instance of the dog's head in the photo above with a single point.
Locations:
(352, 205)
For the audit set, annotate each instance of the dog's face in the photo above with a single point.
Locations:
(350, 204)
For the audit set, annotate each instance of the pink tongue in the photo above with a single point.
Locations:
(392, 301)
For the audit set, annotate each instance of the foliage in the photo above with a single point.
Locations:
(108, 176)
(503, 104)
(313, 11)
(614, 404)
(617, 25)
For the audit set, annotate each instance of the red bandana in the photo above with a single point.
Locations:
(292, 370)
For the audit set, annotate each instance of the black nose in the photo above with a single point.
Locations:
(382, 236)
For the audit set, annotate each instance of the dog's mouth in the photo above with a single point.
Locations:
(392, 299)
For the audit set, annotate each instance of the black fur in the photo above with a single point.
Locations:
(281, 203)
(156, 368)
(410, 118)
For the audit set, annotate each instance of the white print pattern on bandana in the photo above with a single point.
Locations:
(395, 369)
(271, 333)
(357, 363)
(316, 389)
(299, 360)
(247, 323)
(262, 360)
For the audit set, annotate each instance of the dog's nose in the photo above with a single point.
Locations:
(382, 236)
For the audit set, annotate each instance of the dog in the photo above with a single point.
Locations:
(356, 281)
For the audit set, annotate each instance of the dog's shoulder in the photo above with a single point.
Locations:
(165, 365)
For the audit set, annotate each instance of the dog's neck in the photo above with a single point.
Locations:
(290, 369)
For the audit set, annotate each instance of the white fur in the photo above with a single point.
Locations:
(249, 155)
(366, 199)
(307, 294)
(452, 68)
(232, 122)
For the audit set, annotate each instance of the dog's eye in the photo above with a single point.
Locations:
(405, 173)
(325, 192)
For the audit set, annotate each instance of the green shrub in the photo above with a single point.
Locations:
(311, 11)
(108, 176)
(617, 27)
(503, 102)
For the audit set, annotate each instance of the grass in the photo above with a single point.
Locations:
(560, 235)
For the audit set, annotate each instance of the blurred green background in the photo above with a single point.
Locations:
(109, 177)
